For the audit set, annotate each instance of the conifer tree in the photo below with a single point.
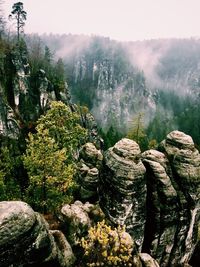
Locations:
(137, 132)
(49, 157)
(19, 15)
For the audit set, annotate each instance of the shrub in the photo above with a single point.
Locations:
(105, 246)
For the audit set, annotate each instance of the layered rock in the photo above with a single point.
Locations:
(162, 207)
(173, 208)
(123, 188)
(185, 163)
(172, 201)
(89, 165)
(25, 239)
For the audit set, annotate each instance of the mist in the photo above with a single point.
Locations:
(146, 56)
(119, 80)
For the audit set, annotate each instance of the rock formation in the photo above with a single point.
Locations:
(8, 124)
(89, 165)
(184, 160)
(103, 77)
(123, 188)
(171, 202)
(25, 239)
(154, 194)
(162, 207)
(78, 218)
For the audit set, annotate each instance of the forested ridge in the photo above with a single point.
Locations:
(119, 81)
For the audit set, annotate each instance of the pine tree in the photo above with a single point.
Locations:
(137, 132)
(49, 157)
(19, 15)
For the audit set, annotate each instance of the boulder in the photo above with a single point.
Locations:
(25, 239)
(123, 188)
(65, 254)
(79, 218)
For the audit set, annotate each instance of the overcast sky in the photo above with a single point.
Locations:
(117, 19)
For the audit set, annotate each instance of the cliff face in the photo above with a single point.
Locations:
(21, 105)
(156, 195)
(123, 188)
(159, 78)
(102, 77)
(25, 94)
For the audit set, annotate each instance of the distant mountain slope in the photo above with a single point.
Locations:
(117, 81)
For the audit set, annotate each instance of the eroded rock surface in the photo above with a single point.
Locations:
(89, 165)
(25, 239)
(78, 218)
(169, 210)
(123, 188)
(147, 260)
(173, 207)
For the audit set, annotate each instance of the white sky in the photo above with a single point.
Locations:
(117, 19)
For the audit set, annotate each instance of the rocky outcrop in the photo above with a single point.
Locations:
(25, 239)
(78, 218)
(184, 159)
(25, 93)
(173, 207)
(90, 163)
(123, 188)
(162, 207)
(8, 124)
(170, 208)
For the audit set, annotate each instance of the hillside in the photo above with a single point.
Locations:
(118, 81)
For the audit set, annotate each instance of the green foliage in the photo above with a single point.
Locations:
(152, 144)
(111, 137)
(137, 132)
(9, 185)
(49, 157)
(105, 246)
(63, 126)
(5, 170)
(19, 15)
(50, 176)
(175, 113)
(41, 58)
(58, 77)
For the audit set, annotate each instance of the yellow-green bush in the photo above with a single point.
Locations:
(105, 246)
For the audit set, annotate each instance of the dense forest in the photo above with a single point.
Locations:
(119, 81)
